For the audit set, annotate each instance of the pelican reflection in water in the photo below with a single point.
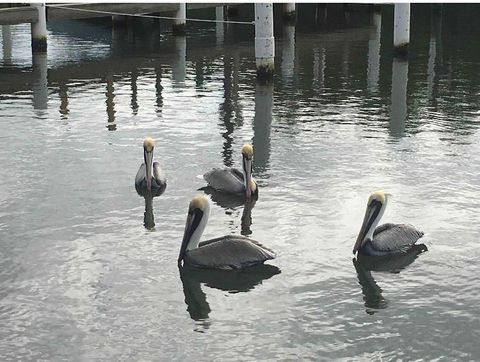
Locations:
(387, 238)
(150, 176)
(226, 252)
(393, 263)
(232, 281)
(232, 180)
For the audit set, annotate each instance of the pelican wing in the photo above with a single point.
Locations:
(158, 174)
(228, 252)
(395, 237)
(226, 179)
(140, 177)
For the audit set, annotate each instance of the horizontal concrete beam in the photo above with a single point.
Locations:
(18, 15)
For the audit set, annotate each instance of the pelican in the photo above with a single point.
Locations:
(226, 252)
(387, 238)
(150, 177)
(232, 180)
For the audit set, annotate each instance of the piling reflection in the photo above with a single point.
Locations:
(319, 56)
(288, 52)
(230, 109)
(364, 265)
(262, 126)
(179, 67)
(63, 93)
(434, 55)
(219, 27)
(133, 86)
(40, 80)
(111, 125)
(158, 90)
(398, 109)
(373, 70)
(232, 281)
(7, 44)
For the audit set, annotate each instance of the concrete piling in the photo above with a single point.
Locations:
(219, 27)
(401, 31)
(179, 24)
(39, 29)
(264, 40)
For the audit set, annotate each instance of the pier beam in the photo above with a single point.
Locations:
(179, 24)
(401, 31)
(289, 12)
(39, 29)
(264, 40)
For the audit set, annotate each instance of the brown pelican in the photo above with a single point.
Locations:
(232, 180)
(226, 252)
(150, 177)
(387, 238)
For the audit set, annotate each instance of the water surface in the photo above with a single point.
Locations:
(82, 278)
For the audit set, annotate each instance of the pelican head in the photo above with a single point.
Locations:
(148, 145)
(376, 205)
(198, 213)
(247, 154)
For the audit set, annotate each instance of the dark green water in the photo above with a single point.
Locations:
(81, 278)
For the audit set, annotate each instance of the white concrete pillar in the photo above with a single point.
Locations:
(179, 68)
(39, 29)
(320, 13)
(179, 24)
(401, 31)
(398, 110)
(264, 40)
(7, 44)
(288, 51)
(220, 27)
(289, 12)
(373, 70)
(40, 80)
(262, 122)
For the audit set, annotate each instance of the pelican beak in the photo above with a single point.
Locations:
(247, 166)
(148, 157)
(373, 210)
(193, 219)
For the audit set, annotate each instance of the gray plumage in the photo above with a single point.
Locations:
(228, 252)
(227, 180)
(158, 178)
(391, 238)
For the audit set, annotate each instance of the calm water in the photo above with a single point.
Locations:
(82, 278)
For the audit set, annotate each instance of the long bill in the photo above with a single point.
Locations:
(190, 237)
(148, 157)
(370, 221)
(247, 170)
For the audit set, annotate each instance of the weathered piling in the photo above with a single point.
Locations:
(179, 23)
(289, 12)
(264, 40)
(7, 44)
(401, 31)
(39, 29)
(373, 70)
